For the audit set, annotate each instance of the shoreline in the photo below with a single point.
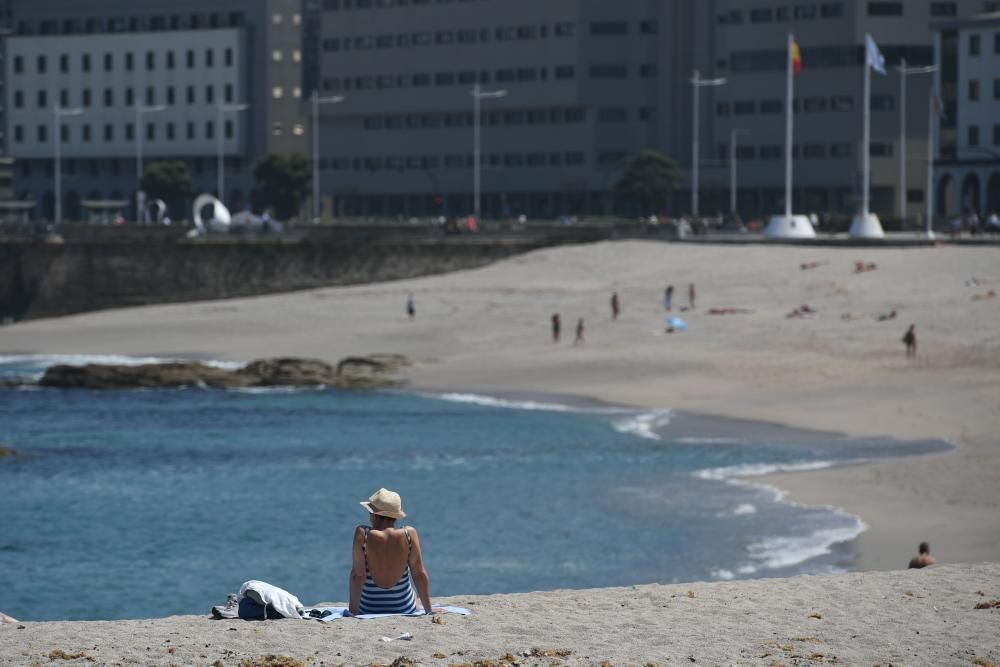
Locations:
(842, 371)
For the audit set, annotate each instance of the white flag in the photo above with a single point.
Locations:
(874, 57)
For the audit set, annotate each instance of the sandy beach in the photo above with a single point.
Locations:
(914, 617)
(840, 369)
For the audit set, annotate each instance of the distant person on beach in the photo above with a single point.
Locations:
(910, 340)
(615, 306)
(386, 562)
(556, 326)
(668, 297)
(578, 340)
(691, 295)
(923, 558)
(411, 306)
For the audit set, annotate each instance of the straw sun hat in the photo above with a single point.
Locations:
(385, 503)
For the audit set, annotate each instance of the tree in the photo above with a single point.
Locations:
(282, 182)
(170, 181)
(649, 178)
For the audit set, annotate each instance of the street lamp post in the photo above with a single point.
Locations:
(58, 114)
(733, 133)
(904, 72)
(220, 136)
(316, 101)
(139, 194)
(477, 95)
(697, 83)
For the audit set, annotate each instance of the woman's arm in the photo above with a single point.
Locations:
(357, 579)
(421, 580)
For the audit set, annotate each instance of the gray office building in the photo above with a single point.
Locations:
(589, 83)
(183, 79)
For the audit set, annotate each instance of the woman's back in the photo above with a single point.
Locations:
(387, 555)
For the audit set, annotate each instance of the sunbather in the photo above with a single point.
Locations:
(387, 562)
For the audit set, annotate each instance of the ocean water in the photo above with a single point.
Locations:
(133, 504)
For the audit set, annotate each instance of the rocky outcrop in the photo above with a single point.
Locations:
(374, 372)
(6, 451)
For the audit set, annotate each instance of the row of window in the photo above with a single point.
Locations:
(975, 44)
(818, 57)
(335, 5)
(115, 167)
(86, 133)
(469, 77)
(453, 161)
(973, 89)
(127, 61)
(810, 151)
(805, 104)
(447, 37)
(98, 24)
(972, 135)
(800, 12)
(128, 96)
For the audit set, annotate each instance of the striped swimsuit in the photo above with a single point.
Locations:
(398, 598)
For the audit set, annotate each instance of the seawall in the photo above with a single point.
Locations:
(85, 269)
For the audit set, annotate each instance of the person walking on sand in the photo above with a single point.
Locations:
(411, 306)
(910, 340)
(668, 297)
(923, 558)
(556, 326)
(579, 332)
(615, 306)
(386, 562)
(691, 295)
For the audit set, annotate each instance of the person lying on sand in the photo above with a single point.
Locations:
(863, 267)
(891, 315)
(982, 297)
(923, 558)
(729, 311)
(805, 310)
(387, 562)
(805, 266)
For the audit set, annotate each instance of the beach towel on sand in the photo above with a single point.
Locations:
(327, 614)
(270, 597)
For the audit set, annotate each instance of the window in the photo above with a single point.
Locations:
(41, 64)
(109, 132)
(43, 100)
(565, 72)
(842, 103)
(763, 15)
(885, 9)
(973, 90)
(190, 130)
(64, 63)
(883, 103)
(209, 130)
(996, 135)
(564, 29)
(804, 12)
(109, 62)
(43, 133)
(771, 106)
(85, 62)
(150, 95)
(63, 98)
(229, 129)
(86, 132)
(85, 98)
(18, 99)
(129, 132)
(170, 95)
(129, 97)
(944, 9)
(770, 152)
(209, 94)
(190, 94)
(722, 109)
(209, 58)
(814, 151)
(229, 93)
(129, 61)
(63, 133)
(996, 89)
(608, 71)
(603, 28)
(973, 135)
(746, 152)
(150, 60)
(109, 97)
(19, 134)
(880, 149)
(612, 115)
(996, 42)
(575, 157)
(831, 10)
(150, 132)
(647, 71)
(744, 108)
(648, 27)
(973, 45)
(189, 56)
(228, 57)
(647, 113)
(18, 65)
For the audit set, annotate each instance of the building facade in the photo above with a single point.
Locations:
(591, 82)
(968, 164)
(161, 79)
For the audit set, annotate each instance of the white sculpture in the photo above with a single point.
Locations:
(217, 220)
(866, 227)
(789, 227)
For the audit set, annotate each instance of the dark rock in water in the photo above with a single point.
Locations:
(6, 451)
(351, 373)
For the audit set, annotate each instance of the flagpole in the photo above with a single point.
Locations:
(788, 129)
(931, 119)
(866, 141)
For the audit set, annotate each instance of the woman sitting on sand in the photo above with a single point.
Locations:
(387, 561)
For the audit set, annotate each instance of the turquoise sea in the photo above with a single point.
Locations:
(131, 504)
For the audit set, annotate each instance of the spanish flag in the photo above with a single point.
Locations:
(796, 57)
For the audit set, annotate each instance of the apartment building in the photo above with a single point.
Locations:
(967, 169)
(174, 79)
